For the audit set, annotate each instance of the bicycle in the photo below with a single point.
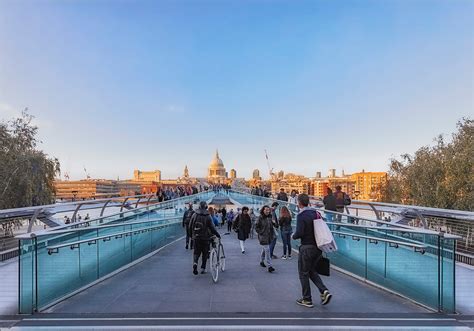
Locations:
(217, 258)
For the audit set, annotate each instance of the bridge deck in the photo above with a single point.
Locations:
(164, 283)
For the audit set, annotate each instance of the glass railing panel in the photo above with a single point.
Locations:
(57, 272)
(448, 265)
(114, 250)
(351, 254)
(26, 271)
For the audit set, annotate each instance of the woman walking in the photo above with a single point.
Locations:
(242, 226)
(266, 234)
(286, 231)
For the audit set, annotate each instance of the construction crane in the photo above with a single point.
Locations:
(85, 171)
(270, 169)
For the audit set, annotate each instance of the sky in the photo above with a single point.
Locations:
(121, 85)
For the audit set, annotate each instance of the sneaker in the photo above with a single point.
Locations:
(186, 246)
(283, 257)
(289, 257)
(195, 269)
(271, 269)
(203, 271)
(243, 252)
(325, 297)
(262, 265)
(304, 302)
(274, 257)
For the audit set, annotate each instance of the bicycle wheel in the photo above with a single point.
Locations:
(213, 262)
(222, 257)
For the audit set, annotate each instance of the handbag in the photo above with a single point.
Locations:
(323, 266)
(323, 235)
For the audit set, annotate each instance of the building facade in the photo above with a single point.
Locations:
(151, 176)
(85, 189)
(216, 173)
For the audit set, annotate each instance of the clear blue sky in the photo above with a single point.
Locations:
(118, 85)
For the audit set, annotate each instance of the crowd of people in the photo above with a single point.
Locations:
(267, 224)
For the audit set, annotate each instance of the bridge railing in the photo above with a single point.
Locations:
(56, 264)
(416, 263)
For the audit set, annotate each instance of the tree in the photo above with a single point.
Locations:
(440, 176)
(26, 173)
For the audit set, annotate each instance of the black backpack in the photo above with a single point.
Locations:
(200, 226)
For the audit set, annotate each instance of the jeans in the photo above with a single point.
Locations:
(272, 246)
(265, 256)
(229, 226)
(307, 260)
(339, 210)
(286, 239)
(201, 247)
(329, 216)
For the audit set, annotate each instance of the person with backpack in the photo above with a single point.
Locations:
(342, 200)
(242, 225)
(186, 220)
(309, 253)
(202, 230)
(266, 233)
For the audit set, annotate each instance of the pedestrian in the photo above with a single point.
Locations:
(253, 219)
(275, 221)
(230, 219)
(309, 254)
(282, 195)
(265, 230)
(214, 218)
(342, 200)
(202, 229)
(285, 230)
(242, 225)
(329, 202)
(186, 221)
(224, 215)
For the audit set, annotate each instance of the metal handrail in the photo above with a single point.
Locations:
(377, 239)
(68, 204)
(157, 205)
(91, 228)
(413, 230)
(78, 242)
(367, 219)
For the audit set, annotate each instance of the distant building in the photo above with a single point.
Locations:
(256, 175)
(152, 176)
(186, 171)
(369, 185)
(291, 182)
(85, 189)
(233, 174)
(362, 185)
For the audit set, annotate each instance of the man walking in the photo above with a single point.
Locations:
(309, 254)
(282, 195)
(202, 229)
(186, 220)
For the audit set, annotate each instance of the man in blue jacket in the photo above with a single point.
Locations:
(309, 254)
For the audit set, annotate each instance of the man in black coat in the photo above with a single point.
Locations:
(202, 230)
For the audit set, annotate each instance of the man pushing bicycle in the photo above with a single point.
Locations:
(202, 230)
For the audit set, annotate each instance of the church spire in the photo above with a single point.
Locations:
(217, 153)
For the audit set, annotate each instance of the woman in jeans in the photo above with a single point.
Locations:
(266, 234)
(286, 231)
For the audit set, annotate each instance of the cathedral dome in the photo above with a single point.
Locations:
(216, 162)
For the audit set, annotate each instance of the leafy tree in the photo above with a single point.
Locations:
(26, 173)
(440, 176)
